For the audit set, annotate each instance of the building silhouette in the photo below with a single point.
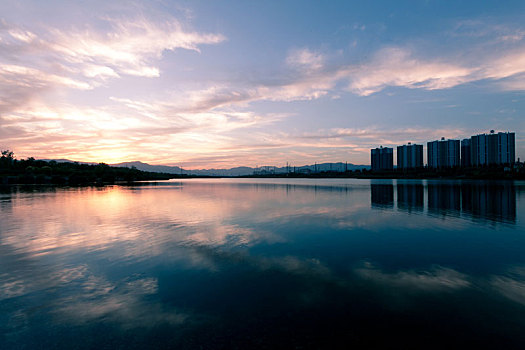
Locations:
(492, 148)
(409, 156)
(465, 153)
(382, 158)
(443, 153)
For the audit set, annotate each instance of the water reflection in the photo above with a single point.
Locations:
(481, 201)
(261, 264)
(444, 199)
(382, 195)
(495, 202)
(410, 196)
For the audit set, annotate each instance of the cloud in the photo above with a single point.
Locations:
(129, 46)
(396, 67)
(507, 65)
(84, 58)
(305, 59)
(391, 66)
(19, 85)
(373, 135)
(515, 83)
(488, 30)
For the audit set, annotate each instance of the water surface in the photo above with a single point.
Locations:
(263, 263)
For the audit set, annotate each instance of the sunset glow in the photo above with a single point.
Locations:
(227, 84)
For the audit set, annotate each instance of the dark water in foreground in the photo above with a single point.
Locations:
(239, 264)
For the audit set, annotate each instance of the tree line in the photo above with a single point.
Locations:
(32, 171)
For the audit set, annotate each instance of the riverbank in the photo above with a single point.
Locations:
(495, 173)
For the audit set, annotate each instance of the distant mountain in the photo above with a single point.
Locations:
(242, 171)
(147, 167)
(67, 161)
(237, 171)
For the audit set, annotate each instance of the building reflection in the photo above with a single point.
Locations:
(382, 195)
(410, 196)
(444, 198)
(495, 202)
(480, 201)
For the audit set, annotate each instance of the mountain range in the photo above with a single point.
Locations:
(242, 171)
(237, 171)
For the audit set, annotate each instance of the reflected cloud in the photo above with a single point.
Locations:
(122, 302)
(11, 289)
(286, 264)
(183, 214)
(511, 285)
(435, 279)
(233, 235)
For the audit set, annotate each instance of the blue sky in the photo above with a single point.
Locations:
(225, 83)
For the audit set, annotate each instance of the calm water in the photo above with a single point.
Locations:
(236, 264)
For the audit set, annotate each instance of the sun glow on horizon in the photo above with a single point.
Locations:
(177, 85)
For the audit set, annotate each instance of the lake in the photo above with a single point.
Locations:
(263, 263)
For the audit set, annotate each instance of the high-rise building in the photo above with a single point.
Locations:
(443, 153)
(382, 158)
(506, 147)
(409, 156)
(465, 153)
(488, 149)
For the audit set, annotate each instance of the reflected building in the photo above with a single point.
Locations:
(410, 196)
(481, 201)
(494, 202)
(444, 198)
(382, 195)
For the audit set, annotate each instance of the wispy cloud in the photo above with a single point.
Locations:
(305, 59)
(435, 279)
(129, 46)
(84, 58)
(489, 29)
(397, 67)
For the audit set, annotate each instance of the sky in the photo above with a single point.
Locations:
(219, 84)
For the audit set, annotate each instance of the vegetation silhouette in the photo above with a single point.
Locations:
(32, 171)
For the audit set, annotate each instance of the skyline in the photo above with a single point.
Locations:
(225, 84)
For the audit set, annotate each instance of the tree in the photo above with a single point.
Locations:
(8, 154)
(6, 161)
